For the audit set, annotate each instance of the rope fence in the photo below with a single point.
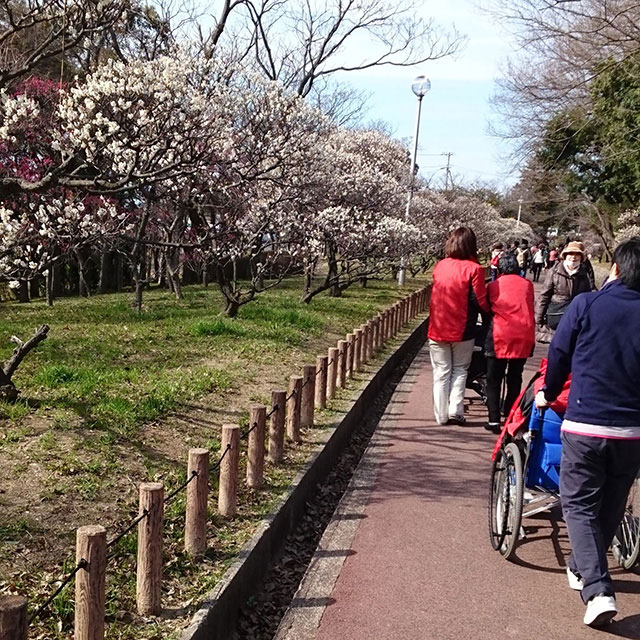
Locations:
(290, 411)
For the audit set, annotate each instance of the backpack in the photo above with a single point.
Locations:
(521, 257)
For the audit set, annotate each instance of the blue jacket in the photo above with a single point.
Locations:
(598, 342)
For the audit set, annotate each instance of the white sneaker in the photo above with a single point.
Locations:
(575, 581)
(600, 610)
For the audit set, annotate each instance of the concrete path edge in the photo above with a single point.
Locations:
(216, 618)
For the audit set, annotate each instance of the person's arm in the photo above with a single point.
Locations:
(545, 298)
(480, 288)
(561, 349)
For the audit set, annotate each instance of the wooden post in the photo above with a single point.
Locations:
(363, 347)
(276, 426)
(387, 325)
(228, 490)
(350, 346)
(149, 585)
(370, 336)
(357, 351)
(321, 382)
(377, 344)
(13, 618)
(91, 546)
(394, 320)
(332, 369)
(195, 526)
(342, 364)
(308, 395)
(255, 448)
(293, 408)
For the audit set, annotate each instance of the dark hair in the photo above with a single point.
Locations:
(508, 264)
(461, 244)
(498, 245)
(627, 257)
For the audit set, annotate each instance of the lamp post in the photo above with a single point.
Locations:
(519, 212)
(420, 86)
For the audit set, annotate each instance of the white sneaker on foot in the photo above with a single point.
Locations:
(600, 610)
(575, 581)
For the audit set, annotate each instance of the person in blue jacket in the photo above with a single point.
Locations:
(598, 343)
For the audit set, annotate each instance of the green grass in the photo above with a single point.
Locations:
(113, 398)
(105, 366)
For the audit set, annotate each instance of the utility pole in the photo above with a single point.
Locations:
(447, 175)
(519, 212)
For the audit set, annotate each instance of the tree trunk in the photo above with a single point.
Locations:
(104, 270)
(231, 310)
(119, 273)
(49, 285)
(23, 291)
(205, 276)
(83, 288)
(34, 288)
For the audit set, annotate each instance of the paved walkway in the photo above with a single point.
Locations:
(407, 556)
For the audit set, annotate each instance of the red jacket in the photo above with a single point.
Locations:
(458, 290)
(513, 332)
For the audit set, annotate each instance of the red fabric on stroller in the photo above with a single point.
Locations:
(521, 411)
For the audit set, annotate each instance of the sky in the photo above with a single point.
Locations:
(456, 112)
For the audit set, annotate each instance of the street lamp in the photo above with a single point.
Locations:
(519, 212)
(420, 86)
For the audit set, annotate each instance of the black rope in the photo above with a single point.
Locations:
(273, 410)
(194, 474)
(119, 537)
(248, 431)
(217, 464)
(81, 565)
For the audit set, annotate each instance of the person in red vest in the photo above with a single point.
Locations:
(511, 336)
(458, 294)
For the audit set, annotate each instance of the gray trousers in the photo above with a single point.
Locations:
(595, 477)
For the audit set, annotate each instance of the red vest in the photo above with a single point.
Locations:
(511, 303)
(450, 318)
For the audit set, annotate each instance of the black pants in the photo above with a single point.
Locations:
(595, 477)
(536, 269)
(496, 368)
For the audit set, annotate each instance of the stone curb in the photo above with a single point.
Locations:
(216, 618)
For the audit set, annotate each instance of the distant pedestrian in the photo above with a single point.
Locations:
(457, 296)
(563, 283)
(511, 337)
(523, 255)
(496, 252)
(598, 343)
(538, 262)
(553, 256)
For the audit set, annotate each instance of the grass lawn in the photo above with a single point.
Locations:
(113, 398)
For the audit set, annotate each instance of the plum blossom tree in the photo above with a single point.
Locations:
(362, 180)
(40, 229)
(251, 207)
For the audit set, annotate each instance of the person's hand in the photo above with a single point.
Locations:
(541, 401)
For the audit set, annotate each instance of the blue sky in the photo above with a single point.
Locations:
(456, 112)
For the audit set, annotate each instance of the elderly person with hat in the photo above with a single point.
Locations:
(563, 283)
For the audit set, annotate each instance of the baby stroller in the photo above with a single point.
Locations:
(526, 459)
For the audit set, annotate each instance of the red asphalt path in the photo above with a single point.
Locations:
(420, 565)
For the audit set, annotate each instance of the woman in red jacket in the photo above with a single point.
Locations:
(457, 296)
(511, 337)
